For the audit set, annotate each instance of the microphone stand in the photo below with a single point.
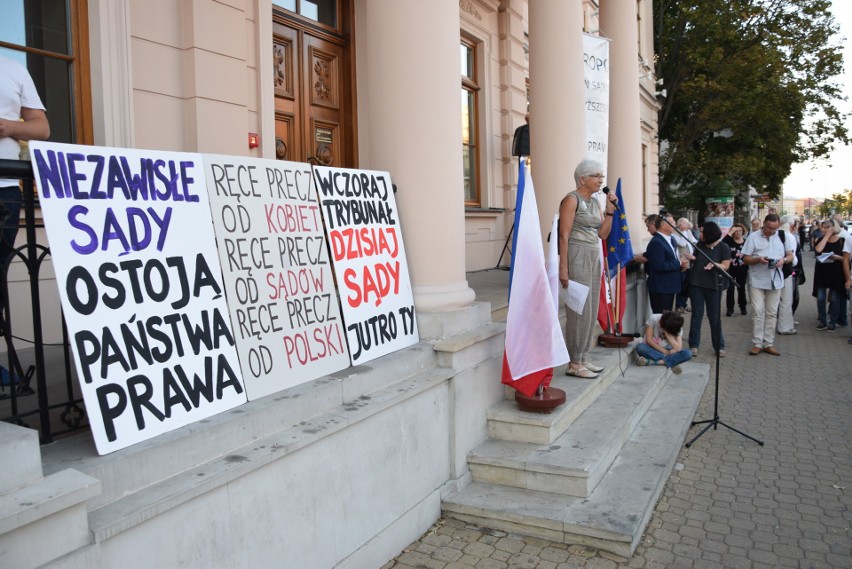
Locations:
(715, 421)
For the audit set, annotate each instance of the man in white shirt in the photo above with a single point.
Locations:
(786, 324)
(765, 254)
(22, 117)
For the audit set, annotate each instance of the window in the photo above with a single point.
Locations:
(40, 34)
(321, 11)
(470, 135)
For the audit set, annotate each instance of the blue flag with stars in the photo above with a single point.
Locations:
(619, 249)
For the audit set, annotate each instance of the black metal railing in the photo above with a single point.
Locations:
(38, 386)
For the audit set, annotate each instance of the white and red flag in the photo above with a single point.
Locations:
(534, 341)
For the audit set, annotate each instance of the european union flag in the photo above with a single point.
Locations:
(619, 249)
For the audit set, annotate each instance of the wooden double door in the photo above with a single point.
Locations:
(313, 96)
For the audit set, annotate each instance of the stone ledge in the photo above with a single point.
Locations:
(138, 507)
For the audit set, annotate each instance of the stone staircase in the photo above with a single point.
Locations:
(591, 472)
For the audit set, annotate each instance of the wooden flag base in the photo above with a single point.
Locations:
(614, 341)
(544, 403)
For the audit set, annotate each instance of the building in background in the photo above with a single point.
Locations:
(346, 470)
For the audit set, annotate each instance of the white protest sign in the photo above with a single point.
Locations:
(140, 283)
(369, 260)
(596, 77)
(284, 307)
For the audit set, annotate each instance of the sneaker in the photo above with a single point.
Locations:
(822, 327)
(792, 332)
(721, 353)
(677, 370)
(729, 313)
(680, 310)
(830, 328)
(694, 352)
(743, 311)
(642, 361)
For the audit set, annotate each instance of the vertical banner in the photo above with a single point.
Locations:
(140, 283)
(720, 210)
(284, 307)
(369, 260)
(596, 78)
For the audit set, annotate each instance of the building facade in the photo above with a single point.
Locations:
(348, 469)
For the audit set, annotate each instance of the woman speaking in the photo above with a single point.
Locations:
(582, 225)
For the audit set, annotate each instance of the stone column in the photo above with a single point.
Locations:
(410, 95)
(557, 114)
(618, 23)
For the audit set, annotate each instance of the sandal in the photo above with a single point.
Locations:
(580, 372)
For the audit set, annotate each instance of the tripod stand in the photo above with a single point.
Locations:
(715, 421)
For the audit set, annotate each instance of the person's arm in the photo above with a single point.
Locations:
(789, 248)
(567, 210)
(652, 341)
(846, 271)
(675, 341)
(607, 217)
(824, 240)
(33, 127)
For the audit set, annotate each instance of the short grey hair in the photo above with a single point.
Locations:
(684, 221)
(789, 220)
(586, 168)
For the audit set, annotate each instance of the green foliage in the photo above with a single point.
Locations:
(838, 203)
(751, 88)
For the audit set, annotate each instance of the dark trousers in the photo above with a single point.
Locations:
(712, 300)
(661, 301)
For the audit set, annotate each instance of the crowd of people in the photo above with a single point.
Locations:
(759, 271)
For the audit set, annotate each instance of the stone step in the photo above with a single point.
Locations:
(508, 423)
(577, 460)
(614, 516)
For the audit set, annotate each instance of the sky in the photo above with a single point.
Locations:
(826, 177)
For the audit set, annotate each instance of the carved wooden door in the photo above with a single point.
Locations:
(311, 98)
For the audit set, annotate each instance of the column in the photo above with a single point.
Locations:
(618, 23)
(410, 125)
(557, 114)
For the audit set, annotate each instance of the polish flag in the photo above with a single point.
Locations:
(534, 341)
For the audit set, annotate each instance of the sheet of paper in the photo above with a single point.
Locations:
(574, 296)
(825, 258)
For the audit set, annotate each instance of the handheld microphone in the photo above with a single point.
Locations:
(605, 190)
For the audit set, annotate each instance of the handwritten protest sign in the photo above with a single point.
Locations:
(369, 260)
(284, 307)
(140, 283)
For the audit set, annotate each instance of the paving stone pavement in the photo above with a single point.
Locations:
(729, 503)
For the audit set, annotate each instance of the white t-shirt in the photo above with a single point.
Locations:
(657, 332)
(17, 91)
(757, 245)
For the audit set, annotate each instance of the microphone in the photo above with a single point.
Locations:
(664, 212)
(605, 190)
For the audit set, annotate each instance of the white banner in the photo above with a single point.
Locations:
(596, 78)
(141, 287)
(369, 260)
(284, 307)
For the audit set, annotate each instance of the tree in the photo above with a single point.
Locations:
(751, 89)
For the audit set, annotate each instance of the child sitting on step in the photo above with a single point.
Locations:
(663, 343)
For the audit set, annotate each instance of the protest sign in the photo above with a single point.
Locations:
(284, 307)
(132, 245)
(369, 261)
